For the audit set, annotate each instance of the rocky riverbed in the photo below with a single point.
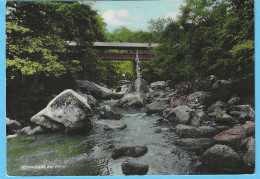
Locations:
(194, 128)
(90, 154)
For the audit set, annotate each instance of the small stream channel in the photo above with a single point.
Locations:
(90, 154)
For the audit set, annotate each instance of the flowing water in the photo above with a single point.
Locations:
(90, 154)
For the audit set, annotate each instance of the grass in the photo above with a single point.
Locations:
(23, 153)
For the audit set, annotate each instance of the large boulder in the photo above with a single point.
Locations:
(249, 157)
(180, 114)
(242, 112)
(234, 136)
(194, 144)
(157, 106)
(91, 100)
(99, 92)
(134, 168)
(67, 112)
(137, 97)
(135, 100)
(220, 157)
(135, 151)
(107, 113)
(195, 132)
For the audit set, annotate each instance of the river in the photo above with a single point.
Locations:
(90, 154)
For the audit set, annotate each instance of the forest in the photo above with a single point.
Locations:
(209, 37)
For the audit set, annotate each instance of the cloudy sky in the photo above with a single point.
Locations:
(135, 15)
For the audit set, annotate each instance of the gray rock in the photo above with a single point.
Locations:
(233, 100)
(218, 105)
(207, 131)
(114, 127)
(243, 112)
(180, 115)
(107, 113)
(249, 157)
(135, 151)
(185, 130)
(219, 113)
(134, 169)
(67, 111)
(195, 121)
(12, 124)
(197, 97)
(25, 130)
(197, 144)
(36, 130)
(220, 156)
(136, 98)
(124, 87)
(95, 90)
(193, 132)
(159, 85)
(9, 137)
(203, 116)
(91, 100)
(157, 106)
(166, 112)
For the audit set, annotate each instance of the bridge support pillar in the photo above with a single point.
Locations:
(138, 75)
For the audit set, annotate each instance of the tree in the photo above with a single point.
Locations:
(37, 33)
(209, 37)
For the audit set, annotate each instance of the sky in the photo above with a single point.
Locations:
(135, 15)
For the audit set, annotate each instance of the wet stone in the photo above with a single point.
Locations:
(135, 151)
(195, 144)
(114, 127)
(134, 168)
(220, 156)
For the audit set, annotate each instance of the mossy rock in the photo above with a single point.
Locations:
(227, 122)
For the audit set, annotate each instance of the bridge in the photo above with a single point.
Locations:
(120, 56)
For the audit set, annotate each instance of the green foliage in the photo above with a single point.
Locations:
(209, 37)
(37, 33)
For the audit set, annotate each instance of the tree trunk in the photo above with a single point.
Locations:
(36, 82)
